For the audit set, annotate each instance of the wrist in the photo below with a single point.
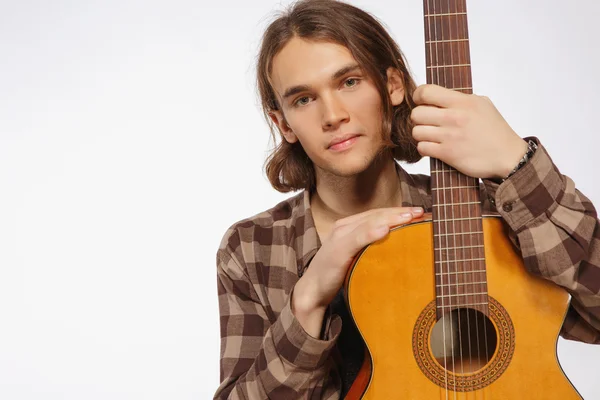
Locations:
(306, 310)
(512, 160)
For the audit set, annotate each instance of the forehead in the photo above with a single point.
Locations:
(303, 62)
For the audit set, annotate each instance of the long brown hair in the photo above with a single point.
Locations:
(288, 167)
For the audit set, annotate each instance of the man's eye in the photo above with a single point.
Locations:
(353, 82)
(300, 101)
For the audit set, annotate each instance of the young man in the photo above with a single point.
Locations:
(335, 86)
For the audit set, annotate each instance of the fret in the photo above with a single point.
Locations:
(463, 294)
(446, 41)
(455, 204)
(445, 28)
(458, 233)
(485, 303)
(453, 50)
(435, 171)
(444, 6)
(452, 280)
(456, 219)
(451, 285)
(449, 66)
(449, 77)
(456, 187)
(457, 224)
(460, 247)
(459, 272)
(465, 88)
(460, 292)
(445, 14)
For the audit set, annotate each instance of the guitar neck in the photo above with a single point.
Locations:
(457, 224)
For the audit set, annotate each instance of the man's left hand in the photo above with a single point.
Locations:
(465, 131)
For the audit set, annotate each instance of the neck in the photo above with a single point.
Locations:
(338, 197)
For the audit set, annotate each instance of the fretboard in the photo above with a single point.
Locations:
(457, 225)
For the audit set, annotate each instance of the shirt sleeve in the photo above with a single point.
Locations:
(557, 230)
(267, 359)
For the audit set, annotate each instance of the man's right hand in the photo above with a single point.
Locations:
(325, 276)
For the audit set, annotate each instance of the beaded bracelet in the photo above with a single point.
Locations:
(531, 148)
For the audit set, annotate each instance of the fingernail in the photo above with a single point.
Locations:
(417, 209)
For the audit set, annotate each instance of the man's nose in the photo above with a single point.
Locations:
(334, 112)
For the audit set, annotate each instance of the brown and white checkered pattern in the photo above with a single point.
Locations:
(265, 353)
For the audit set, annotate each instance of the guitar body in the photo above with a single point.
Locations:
(390, 292)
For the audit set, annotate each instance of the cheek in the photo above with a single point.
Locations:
(305, 125)
(306, 136)
(368, 106)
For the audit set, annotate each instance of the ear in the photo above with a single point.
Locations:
(395, 86)
(279, 119)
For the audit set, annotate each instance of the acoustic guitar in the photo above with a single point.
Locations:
(444, 304)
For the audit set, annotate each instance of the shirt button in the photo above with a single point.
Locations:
(507, 206)
(492, 200)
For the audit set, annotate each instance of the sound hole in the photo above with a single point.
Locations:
(463, 340)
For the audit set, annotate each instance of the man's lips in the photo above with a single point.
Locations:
(342, 141)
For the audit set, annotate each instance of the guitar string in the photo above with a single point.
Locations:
(447, 221)
(479, 315)
(453, 174)
(466, 265)
(463, 238)
(468, 182)
(470, 238)
(436, 211)
(445, 217)
(466, 239)
(479, 241)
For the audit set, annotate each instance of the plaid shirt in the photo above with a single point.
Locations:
(265, 352)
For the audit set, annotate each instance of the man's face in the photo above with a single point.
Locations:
(330, 105)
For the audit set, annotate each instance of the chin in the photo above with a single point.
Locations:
(351, 163)
(351, 166)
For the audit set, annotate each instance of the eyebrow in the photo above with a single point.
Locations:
(340, 72)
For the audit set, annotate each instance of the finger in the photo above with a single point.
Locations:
(427, 133)
(428, 115)
(357, 218)
(375, 222)
(437, 96)
(430, 149)
(371, 231)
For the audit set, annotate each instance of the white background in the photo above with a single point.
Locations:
(131, 138)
